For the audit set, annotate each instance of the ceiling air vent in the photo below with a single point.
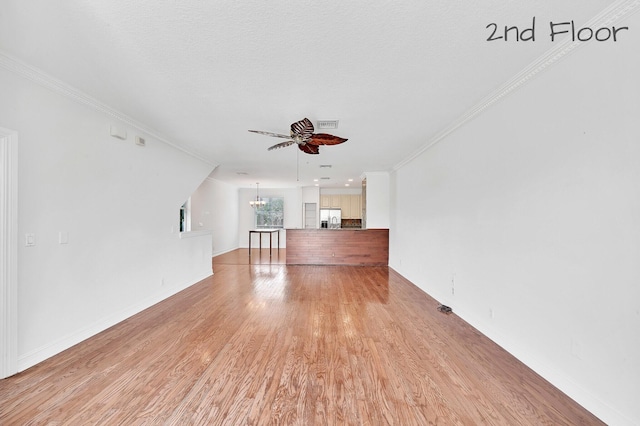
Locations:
(325, 166)
(325, 178)
(327, 124)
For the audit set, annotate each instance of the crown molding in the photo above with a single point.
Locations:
(45, 80)
(614, 13)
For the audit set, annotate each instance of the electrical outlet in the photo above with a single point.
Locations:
(453, 283)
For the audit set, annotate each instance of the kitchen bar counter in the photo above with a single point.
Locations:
(343, 246)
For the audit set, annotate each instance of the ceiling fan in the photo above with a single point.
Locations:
(302, 134)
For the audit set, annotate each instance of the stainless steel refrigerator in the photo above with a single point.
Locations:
(331, 218)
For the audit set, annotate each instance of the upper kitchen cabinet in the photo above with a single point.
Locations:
(345, 206)
(350, 204)
(330, 201)
(356, 206)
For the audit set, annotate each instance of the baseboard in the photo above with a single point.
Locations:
(44, 352)
(557, 378)
(218, 253)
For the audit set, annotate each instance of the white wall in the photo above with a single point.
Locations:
(311, 194)
(225, 209)
(214, 206)
(531, 214)
(378, 200)
(117, 202)
(292, 213)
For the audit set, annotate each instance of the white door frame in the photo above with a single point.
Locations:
(8, 252)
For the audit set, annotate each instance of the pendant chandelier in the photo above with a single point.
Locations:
(258, 202)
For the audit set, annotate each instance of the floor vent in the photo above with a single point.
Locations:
(444, 309)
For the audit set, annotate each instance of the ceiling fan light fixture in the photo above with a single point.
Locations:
(302, 135)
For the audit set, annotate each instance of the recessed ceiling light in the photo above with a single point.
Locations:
(317, 184)
(346, 184)
(315, 180)
(350, 180)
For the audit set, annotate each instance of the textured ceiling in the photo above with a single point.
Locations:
(201, 73)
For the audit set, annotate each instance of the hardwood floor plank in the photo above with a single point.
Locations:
(268, 343)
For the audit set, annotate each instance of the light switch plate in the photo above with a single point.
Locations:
(30, 240)
(117, 132)
(63, 237)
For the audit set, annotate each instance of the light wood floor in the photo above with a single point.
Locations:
(273, 344)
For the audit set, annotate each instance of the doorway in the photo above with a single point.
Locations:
(310, 218)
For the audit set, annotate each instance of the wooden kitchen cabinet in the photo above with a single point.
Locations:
(345, 206)
(351, 205)
(355, 202)
(330, 201)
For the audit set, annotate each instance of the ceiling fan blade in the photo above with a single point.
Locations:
(309, 149)
(280, 145)
(274, 135)
(325, 139)
(302, 128)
